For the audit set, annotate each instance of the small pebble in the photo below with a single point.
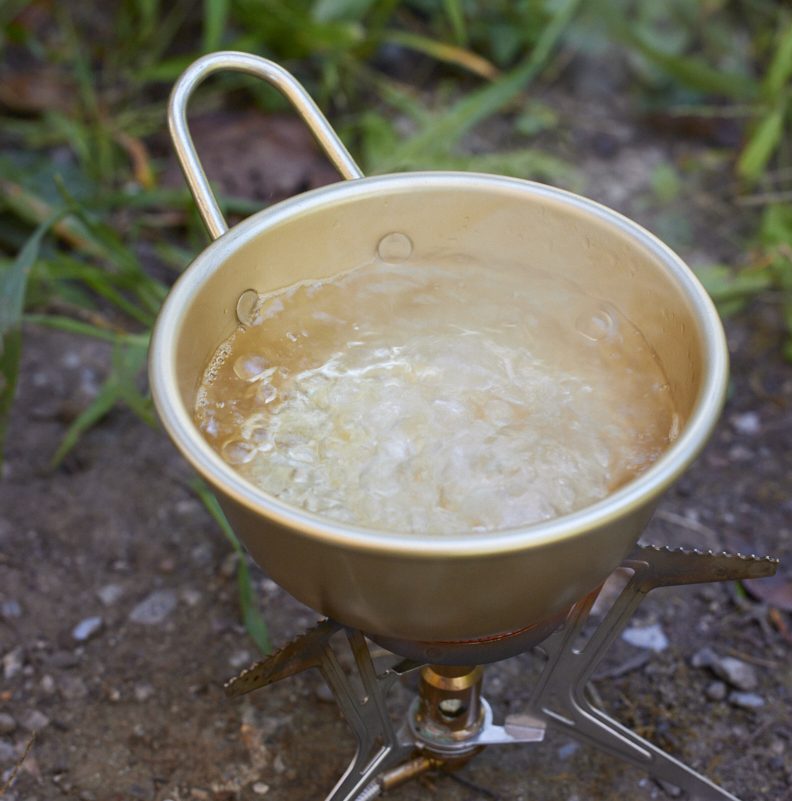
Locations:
(33, 720)
(12, 663)
(240, 659)
(567, 750)
(736, 672)
(705, 657)
(10, 609)
(87, 795)
(324, 694)
(167, 565)
(88, 628)
(143, 692)
(746, 423)
(652, 637)
(7, 724)
(110, 593)
(259, 788)
(47, 684)
(746, 700)
(191, 597)
(669, 789)
(229, 566)
(72, 688)
(64, 659)
(716, 691)
(155, 608)
(8, 753)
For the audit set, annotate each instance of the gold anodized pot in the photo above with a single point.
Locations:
(419, 587)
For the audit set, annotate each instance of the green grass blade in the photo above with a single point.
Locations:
(72, 326)
(13, 285)
(105, 400)
(690, 72)
(119, 386)
(442, 51)
(340, 10)
(254, 622)
(443, 132)
(456, 16)
(215, 20)
(762, 144)
(780, 70)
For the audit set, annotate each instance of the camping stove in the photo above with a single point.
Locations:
(449, 721)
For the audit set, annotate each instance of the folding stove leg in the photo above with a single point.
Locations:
(559, 697)
(379, 746)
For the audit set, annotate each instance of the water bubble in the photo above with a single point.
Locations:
(261, 438)
(246, 306)
(596, 326)
(250, 367)
(237, 451)
(266, 393)
(395, 248)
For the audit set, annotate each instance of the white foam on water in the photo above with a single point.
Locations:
(437, 397)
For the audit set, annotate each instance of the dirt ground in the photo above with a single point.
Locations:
(131, 706)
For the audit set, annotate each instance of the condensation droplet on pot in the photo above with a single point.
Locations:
(395, 247)
(236, 451)
(250, 367)
(246, 306)
(596, 326)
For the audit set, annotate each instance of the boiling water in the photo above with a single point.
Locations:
(437, 397)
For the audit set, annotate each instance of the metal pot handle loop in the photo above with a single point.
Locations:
(281, 80)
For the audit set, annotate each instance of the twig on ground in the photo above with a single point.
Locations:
(7, 786)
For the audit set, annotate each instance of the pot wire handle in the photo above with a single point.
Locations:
(273, 74)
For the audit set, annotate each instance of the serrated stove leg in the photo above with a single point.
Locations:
(378, 744)
(560, 695)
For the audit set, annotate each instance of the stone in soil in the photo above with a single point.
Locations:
(746, 423)
(87, 628)
(10, 610)
(7, 724)
(110, 593)
(155, 608)
(72, 688)
(716, 691)
(33, 720)
(652, 637)
(735, 672)
(669, 789)
(8, 752)
(746, 700)
(12, 663)
(64, 660)
(143, 692)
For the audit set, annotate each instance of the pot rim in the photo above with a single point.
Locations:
(177, 420)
